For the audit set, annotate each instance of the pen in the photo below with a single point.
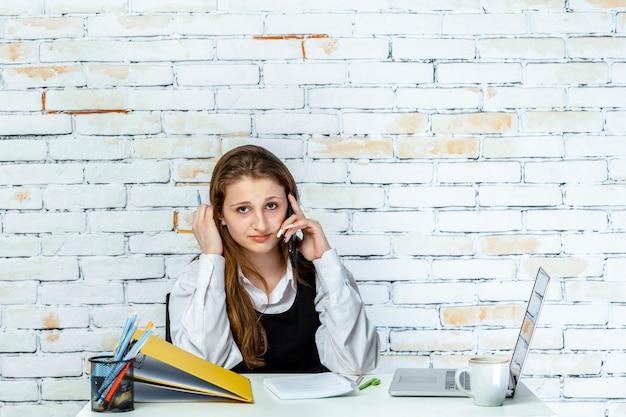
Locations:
(121, 349)
(116, 383)
(117, 354)
(198, 197)
(373, 381)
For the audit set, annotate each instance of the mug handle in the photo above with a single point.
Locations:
(457, 380)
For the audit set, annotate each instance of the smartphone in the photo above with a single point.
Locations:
(291, 245)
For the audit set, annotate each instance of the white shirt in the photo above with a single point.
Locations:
(280, 299)
(346, 340)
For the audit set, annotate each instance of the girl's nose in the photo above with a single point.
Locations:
(260, 221)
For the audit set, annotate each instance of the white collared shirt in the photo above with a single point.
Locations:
(346, 340)
(280, 298)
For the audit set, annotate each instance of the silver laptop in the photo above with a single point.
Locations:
(439, 382)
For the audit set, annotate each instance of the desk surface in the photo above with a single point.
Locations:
(372, 401)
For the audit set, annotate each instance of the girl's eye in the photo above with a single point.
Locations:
(272, 206)
(243, 209)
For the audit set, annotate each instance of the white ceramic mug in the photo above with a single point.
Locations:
(488, 379)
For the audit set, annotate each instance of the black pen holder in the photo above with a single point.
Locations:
(112, 385)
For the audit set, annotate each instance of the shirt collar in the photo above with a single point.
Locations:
(287, 277)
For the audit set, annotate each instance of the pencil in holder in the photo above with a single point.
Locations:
(112, 386)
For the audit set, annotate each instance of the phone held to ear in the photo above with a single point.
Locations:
(291, 245)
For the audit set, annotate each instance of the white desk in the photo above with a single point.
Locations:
(373, 401)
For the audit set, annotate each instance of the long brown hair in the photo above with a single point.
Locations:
(253, 162)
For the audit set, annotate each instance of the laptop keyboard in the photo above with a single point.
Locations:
(451, 384)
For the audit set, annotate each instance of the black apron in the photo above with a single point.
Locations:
(291, 337)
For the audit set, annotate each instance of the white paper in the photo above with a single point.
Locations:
(295, 387)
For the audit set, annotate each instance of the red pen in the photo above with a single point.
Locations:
(117, 382)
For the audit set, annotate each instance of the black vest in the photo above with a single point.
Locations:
(291, 336)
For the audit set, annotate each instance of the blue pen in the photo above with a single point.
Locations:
(125, 330)
(121, 351)
(198, 197)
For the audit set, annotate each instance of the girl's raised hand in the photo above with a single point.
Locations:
(314, 242)
(205, 230)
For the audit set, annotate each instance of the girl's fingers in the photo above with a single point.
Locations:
(284, 230)
(297, 210)
(305, 225)
(202, 215)
(205, 230)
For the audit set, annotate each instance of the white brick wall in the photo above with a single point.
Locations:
(449, 147)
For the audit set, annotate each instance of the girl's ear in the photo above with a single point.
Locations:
(220, 218)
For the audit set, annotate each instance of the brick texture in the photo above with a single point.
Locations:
(448, 147)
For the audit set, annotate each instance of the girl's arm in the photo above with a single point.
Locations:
(346, 340)
(198, 319)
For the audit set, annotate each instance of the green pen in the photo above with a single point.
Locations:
(373, 381)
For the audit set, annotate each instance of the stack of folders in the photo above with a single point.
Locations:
(166, 373)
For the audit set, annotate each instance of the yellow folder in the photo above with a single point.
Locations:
(164, 372)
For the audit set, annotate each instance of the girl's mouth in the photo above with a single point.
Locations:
(260, 238)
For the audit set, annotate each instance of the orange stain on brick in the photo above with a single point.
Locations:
(176, 221)
(51, 321)
(302, 38)
(493, 122)
(482, 315)
(427, 147)
(283, 37)
(459, 316)
(411, 123)
(461, 146)
(330, 46)
(43, 107)
(473, 123)
(277, 37)
(356, 147)
(46, 23)
(53, 337)
(190, 172)
(44, 73)
(118, 72)
(14, 52)
(22, 196)
(508, 245)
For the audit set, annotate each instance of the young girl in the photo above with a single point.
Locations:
(249, 305)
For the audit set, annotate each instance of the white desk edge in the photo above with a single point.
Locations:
(372, 401)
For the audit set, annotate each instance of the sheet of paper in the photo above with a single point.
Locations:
(294, 387)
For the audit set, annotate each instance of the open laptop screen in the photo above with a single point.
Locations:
(524, 339)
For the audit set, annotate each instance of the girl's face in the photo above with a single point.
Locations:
(254, 209)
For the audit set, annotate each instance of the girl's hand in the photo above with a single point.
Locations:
(205, 230)
(314, 242)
